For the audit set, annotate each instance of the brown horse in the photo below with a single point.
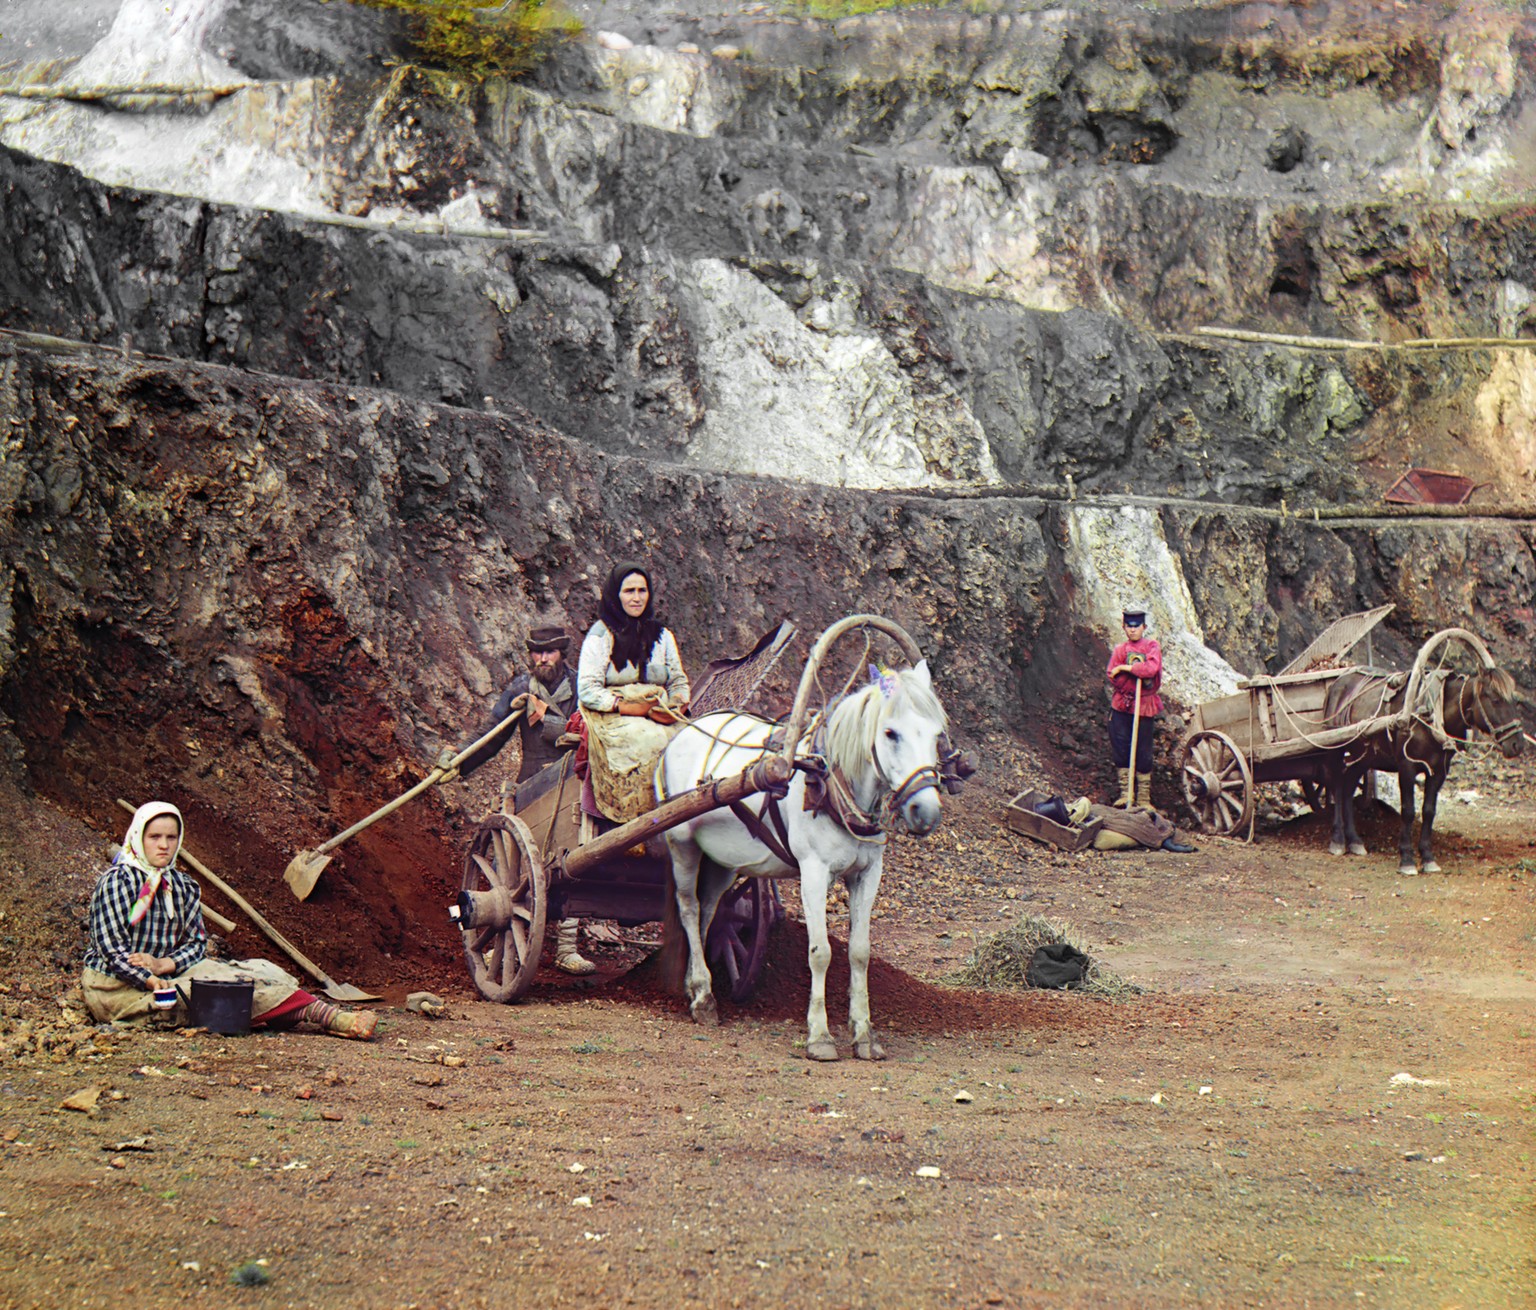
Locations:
(1485, 701)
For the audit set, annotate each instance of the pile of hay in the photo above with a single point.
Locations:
(1001, 962)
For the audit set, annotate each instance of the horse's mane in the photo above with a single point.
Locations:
(854, 721)
(1497, 681)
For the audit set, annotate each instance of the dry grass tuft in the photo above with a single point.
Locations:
(1001, 962)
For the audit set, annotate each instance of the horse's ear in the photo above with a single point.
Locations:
(921, 670)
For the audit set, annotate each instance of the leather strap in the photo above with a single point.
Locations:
(776, 840)
(853, 818)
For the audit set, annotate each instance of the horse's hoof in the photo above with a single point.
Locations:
(704, 1012)
(1335, 848)
(825, 1050)
(1407, 870)
(870, 1050)
(1357, 848)
(1432, 867)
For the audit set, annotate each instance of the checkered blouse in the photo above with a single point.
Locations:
(114, 939)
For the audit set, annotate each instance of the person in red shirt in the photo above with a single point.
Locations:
(1138, 660)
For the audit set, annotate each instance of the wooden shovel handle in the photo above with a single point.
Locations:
(421, 786)
(1130, 792)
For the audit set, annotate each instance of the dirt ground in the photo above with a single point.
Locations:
(1321, 1097)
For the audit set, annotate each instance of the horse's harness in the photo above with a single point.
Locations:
(1429, 713)
(1499, 732)
(828, 792)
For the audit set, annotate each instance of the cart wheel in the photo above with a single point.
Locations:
(738, 936)
(503, 863)
(1217, 783)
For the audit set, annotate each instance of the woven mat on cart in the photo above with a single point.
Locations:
(730, 684)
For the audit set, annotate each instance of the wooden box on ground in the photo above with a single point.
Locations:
(1021, 817)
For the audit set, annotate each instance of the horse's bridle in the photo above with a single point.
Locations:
(1501, 732)
(920, 779)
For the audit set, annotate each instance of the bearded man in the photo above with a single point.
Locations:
(547, 695)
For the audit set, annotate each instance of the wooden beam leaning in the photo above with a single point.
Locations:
(1350, 343)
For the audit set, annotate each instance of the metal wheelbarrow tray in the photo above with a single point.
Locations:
(1431, 487)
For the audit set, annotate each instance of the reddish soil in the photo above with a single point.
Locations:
(1236, 1134)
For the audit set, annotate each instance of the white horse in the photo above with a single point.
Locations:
(880, 746)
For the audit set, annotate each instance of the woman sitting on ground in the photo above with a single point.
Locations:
(147, 935)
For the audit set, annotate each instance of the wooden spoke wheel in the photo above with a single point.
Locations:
(1218, 785)
(503, 869)
(737, 943)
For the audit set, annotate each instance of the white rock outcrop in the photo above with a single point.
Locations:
(1120, 555)
(818, 400)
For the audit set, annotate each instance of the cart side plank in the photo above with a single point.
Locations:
(1272, 716)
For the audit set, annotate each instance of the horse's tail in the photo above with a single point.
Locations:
(672, 958)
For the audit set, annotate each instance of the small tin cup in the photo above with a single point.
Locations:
(165, 998)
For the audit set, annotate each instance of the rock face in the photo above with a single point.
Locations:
(278, 599)
(745, 366)
(351, 370)
(922, 248)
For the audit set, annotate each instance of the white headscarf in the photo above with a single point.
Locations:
(133, 854)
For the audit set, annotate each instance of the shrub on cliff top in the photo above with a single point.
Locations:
(477, 39)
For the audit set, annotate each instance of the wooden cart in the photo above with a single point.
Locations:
(1274, 729)
(1271, 730)
(528, 864)
(539, 859)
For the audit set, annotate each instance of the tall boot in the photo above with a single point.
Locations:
(567, 957)
(1144, 790)
(1127, 796)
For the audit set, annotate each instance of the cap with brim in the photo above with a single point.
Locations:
(543, 640)
(1133, 614)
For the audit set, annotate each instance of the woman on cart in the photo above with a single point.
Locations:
(632, 691)
(629, 662)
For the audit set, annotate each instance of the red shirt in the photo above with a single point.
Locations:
(1149, 669)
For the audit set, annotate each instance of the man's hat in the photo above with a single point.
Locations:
(1133, 610)
(542, 640)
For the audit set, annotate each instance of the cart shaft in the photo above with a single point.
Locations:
(772, 771)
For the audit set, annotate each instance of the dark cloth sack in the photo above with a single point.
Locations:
(1057, 965)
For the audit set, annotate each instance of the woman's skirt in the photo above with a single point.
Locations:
(622, 751)
(111, 1000)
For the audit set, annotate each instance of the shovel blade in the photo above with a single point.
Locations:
(347, 992)
(304, 871)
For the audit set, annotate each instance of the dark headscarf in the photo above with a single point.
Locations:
(632, 638)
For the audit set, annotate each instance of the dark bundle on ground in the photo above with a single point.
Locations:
(1001, 962)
